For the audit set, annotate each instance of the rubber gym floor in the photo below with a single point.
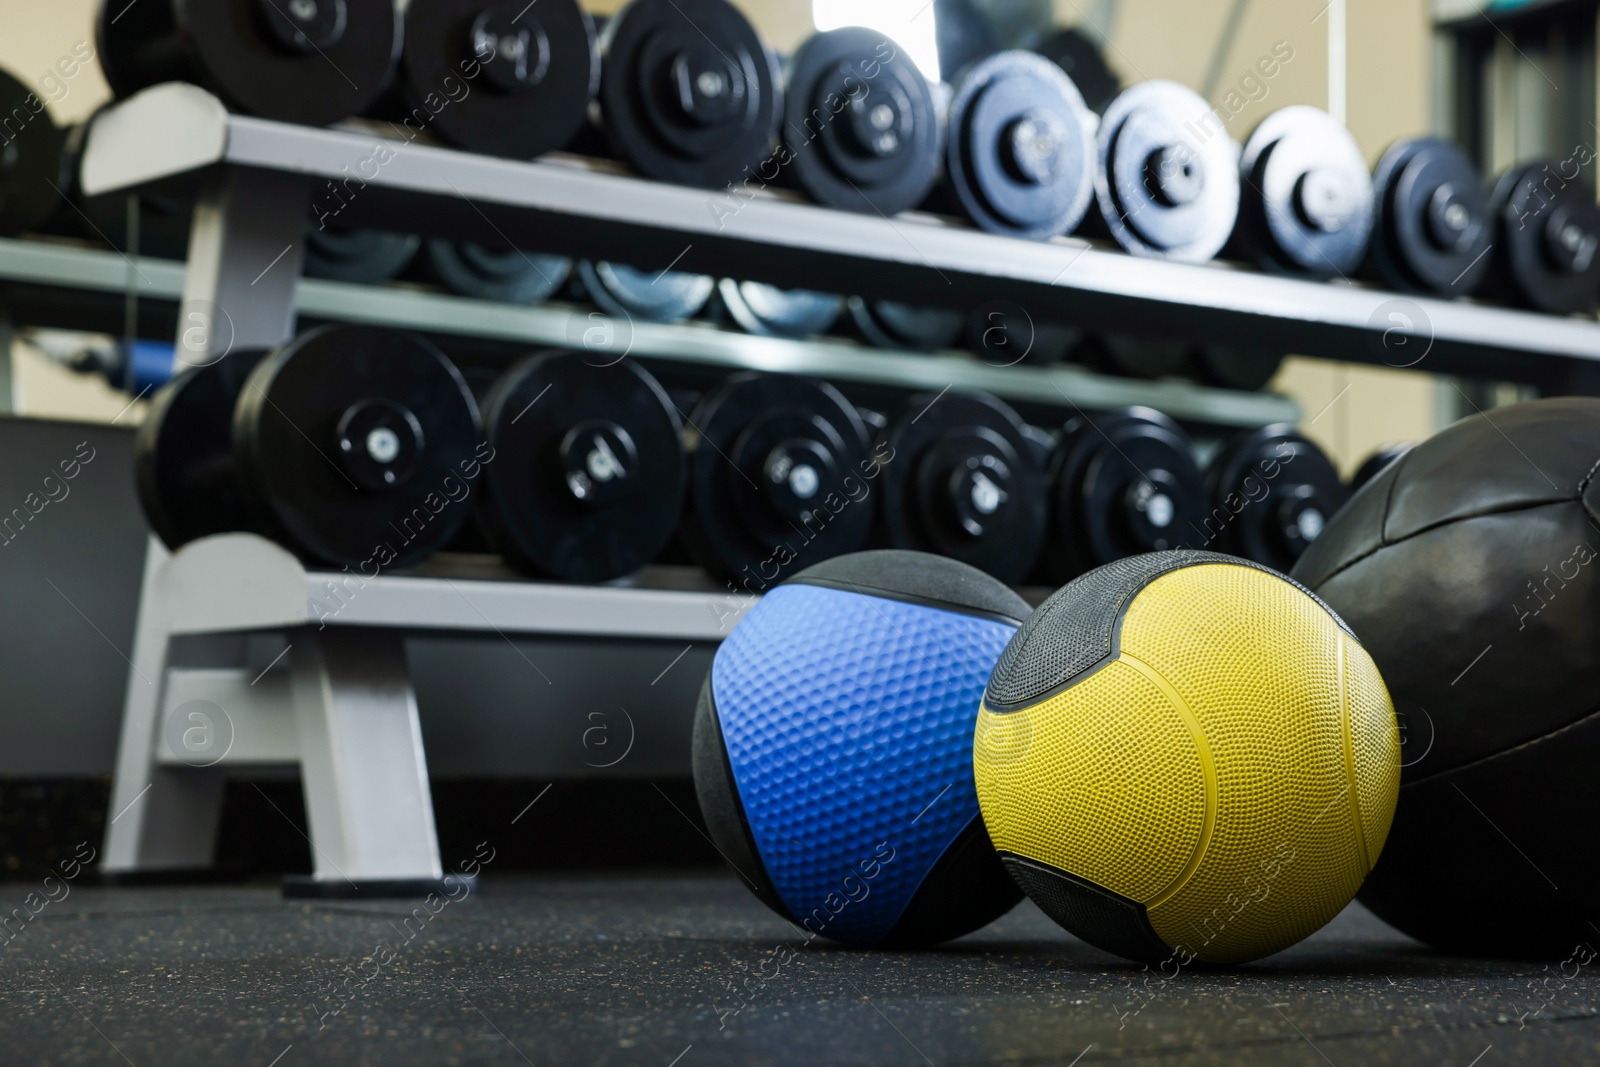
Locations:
(688, 969)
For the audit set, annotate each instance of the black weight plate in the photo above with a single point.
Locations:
(362, 257)
(588, 478)
(505, 79)
(359, 447)
(509, 276)
(649, 296)
(1547, 228)
(1121, 484)
(1082, 61)
(860, 125)
(891, 324)
(1137, 357)
(183, 453)
(962, 479)
(1004, 334)
(1305, 195)
(1432, 226)
(1168, 174)
(1374, 465)
(306, 61)
(772, 312)
(779, 478)
(34, 173)
(1021, 150)
(1235, 367)
(688, 91)
(1271, 492)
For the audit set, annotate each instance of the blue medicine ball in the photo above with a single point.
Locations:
(833, 748)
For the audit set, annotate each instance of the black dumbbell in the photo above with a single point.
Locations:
(772, 312)
(781, 472)
(1271, 492)
(1004, 334)
(1235, 366)
(508, 276)
(361, 257)
(1374, 464)
(1136, 357)
(1306, 203)
(1083, 61)
(306, 61)
(35, 168)
(1432, 228)
(588, 478)
(962, 478)
(1547, 245)
(860, 128)
(1121, 483)
(688, 91)
(1168, 175)
(504, 79)
(892, 324)
(646, 296)
(1021, 152)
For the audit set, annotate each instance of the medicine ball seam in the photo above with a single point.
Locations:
(1491, 757)
(1583, 485)
(1352, 785)
(905, 598)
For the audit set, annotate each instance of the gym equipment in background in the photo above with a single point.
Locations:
(312, 62)
(506, 275)
(1466, 568)
(1432, 228)
(781, 470)
(688, 91)
(1121, 483)
(1004, 334)
(833, 748)
(1183, 756)
(530, 73)
(1235, 367)
(1374, 465)
(1168, 174)
(588, 478)
(1083, 61)
(658, 296)
(1020, 153)
(362, 257)
(135, 367)
(964, 481)
(1546, 235)
(35, 169)
(768, 311)
(860, 126)
(1306, 203)
(892, 324)
(1271, 494)
(1133, 357)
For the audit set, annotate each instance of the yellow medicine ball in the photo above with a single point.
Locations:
(1186, 756)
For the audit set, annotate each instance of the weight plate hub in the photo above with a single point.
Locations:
(891, 324)
(1121, 484)
(688, 91)
(505, 79)
(860, 123)
(362, 257)
(661, 296)
(306, 61)
(1306, 197)
(508, 276)
(1549, 235)
(33, 161)
(1433, 224)
(588, 478)
(1021, 153)
(780, 474)
(1168, 175)
(359, 447)
(964, 481)
(772, 312)
(1271, 492)
(183, 453)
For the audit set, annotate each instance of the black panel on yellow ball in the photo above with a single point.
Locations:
(1185, 756)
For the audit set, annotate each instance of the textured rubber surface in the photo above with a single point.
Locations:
(943, 583)
(1097, 915)
(1209, 770)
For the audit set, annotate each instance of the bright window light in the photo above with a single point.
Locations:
(909, 23)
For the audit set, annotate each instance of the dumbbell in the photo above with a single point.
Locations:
(1547, 228)
(1004, 334)
(1374, 465)
(781, 473)
(308, 61)
(860, 128)
(1121, 483)
(661, 296)
(963, 479)
(1168, 176)
(353, 446)
(1235, 366)
(508, 276)
(1306, 203)
(35, 168)
(1271, 492)
(768, 311)
(1432, 227)
(1135, 357)
(1083, 61)
(688, 91)
(892, 324)
(588, 478)
(361, 257)
(1020, 153)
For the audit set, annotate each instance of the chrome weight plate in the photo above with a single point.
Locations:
(509, 276)
(772, 312)
(891, 324)
(647, 296)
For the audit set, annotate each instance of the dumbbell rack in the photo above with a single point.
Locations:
(355, 732)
